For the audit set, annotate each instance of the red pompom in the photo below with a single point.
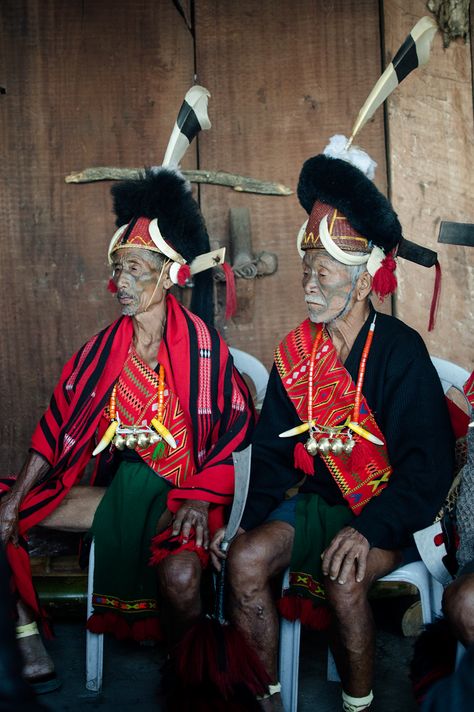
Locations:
(184, 273)
(302, 460)
(384, 281)
(112, 287)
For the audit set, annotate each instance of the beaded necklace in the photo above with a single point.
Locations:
(132, 436)
(337, 439)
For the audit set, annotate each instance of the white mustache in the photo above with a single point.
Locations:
(311, 300)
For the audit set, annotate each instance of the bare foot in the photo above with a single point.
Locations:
(272, 703)
(36, 660)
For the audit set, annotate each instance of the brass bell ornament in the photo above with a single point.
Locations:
(311, 446)
(119, 442)
(337, 446)
(131, 441)
(143, 440)
(324, 446)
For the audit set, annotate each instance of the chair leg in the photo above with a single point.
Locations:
(460, 650)
(94, 661)
(94, 641)
(332, 673)
(436, 597)
(290, 633)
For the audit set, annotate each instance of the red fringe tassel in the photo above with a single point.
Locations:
(435, 297)
(302, 460)
(114, 623)
(211, 653)
(295, 607)
(112, 287)
(231, 295)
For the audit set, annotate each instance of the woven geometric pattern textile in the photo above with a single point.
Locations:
(137, 404)
(358, 478)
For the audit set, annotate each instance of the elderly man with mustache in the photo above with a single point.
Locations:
(156, 398)
(353, 449)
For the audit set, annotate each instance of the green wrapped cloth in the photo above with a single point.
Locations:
(125, 585)
(317, 523)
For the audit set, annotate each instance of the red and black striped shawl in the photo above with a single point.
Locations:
(199, 369)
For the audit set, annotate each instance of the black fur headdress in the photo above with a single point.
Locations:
(345, 187)
(164, 194)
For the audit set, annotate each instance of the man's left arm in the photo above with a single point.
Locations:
(420, 444)
(414, 420)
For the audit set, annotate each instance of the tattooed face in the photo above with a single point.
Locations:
(136, 272)
(328, 286)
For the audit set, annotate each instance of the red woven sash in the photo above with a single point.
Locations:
(365, 473)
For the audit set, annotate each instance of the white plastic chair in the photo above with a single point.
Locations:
(252, 367)
(415, 573)
(94, 641)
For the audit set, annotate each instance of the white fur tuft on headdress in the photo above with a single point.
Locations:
(336, 148)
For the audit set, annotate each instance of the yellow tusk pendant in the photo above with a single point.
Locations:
(363, 433)
(297, 430)
(107, 438)
(164, 432)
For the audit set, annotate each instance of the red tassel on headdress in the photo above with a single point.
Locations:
(184, 273)
(302, 460)
(112, 287)
(384, 281)
(435, 298)
(231, 296)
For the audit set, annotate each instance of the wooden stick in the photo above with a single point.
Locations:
(242, 184)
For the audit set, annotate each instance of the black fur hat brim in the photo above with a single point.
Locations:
(345, 187)
(165, 195)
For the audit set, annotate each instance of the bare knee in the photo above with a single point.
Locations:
(345, 599)
(179, 578)
(458, 605)
(247, 567)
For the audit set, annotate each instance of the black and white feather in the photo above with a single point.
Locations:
(413, 53)
(192, 118)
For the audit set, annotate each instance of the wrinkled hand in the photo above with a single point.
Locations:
(215, 548)
(349, 548)
(9, 505)
(192, 513)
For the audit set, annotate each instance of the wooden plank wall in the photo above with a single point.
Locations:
(430, 121)
(284, 76)
(87, 83)
(92, 83)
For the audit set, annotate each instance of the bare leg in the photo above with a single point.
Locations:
(36, 660)
(458, 605)
(179, 579)
(352, 634)
(254, 559)
(75, 513)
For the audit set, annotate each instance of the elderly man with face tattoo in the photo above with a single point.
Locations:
(353, 450)
(155, 397)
